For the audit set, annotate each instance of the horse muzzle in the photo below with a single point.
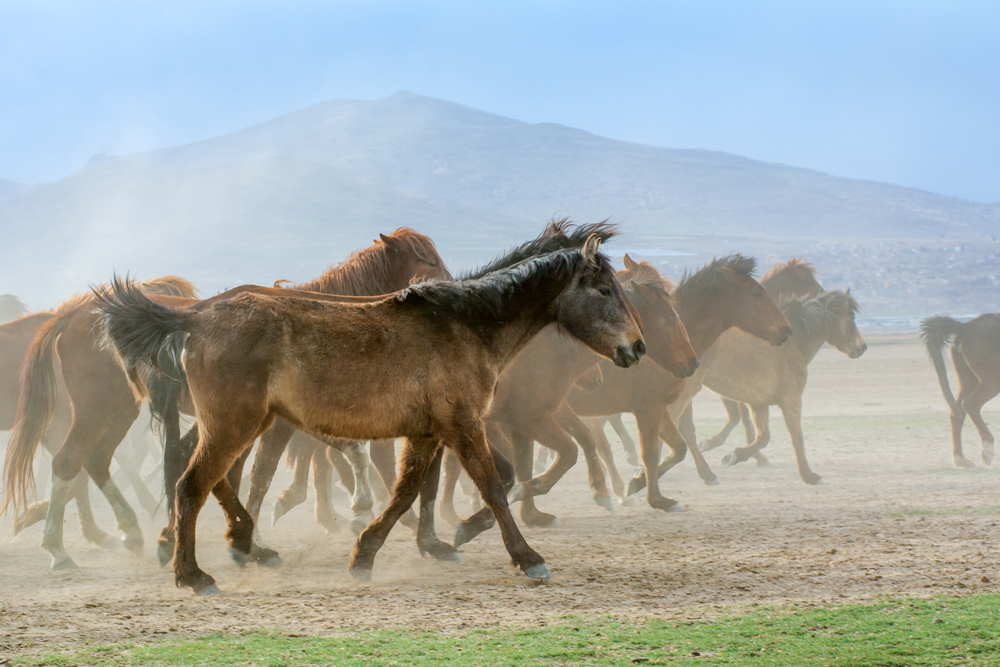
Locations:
(858, 351)
(627, 356)
(686, 370)
(780, 336)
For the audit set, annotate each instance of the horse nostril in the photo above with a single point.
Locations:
(787, 330)
(694, 364)
(639, 349)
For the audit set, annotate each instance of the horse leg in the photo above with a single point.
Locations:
(452, 469)
(474, 453)
(972, 404)
(427, 539)
(177, 453)
(686, 428)
(383, 456)
(322, 468)
(272, 445)
(418, 456)
(732, 420)
(791, 412)
(521, 446)
(548, 433)
(631, 455)
(301, 449)
(593, 428)
(483, 519)
(339, 462)
(218, 448)
(80, 492)
(541, 460)
(125, 457)
(239, 524)
(761, 415)
(363, 499)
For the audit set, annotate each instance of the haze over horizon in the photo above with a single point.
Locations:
(898, 93)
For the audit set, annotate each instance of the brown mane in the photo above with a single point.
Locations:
(811, 315)
(368, 271)
(708, 277)
(791, 278)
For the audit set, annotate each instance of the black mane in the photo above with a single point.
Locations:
(486, 299)
(558, 234)
(709, 279)
(814, 315)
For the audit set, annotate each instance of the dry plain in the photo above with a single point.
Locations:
(894, 518)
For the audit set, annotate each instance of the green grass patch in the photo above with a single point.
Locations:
(940, 631)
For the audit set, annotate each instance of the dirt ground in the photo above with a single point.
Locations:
(894, 518)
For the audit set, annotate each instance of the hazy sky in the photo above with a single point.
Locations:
(902, 92)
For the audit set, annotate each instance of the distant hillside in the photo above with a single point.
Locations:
(10, 188)
(286, 197)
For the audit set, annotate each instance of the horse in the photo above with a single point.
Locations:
(421, 364)
(795, 277)
(532, 392)
(558, 234)
(975, 351)
(94, 431)
(721, 295)
(749, 370)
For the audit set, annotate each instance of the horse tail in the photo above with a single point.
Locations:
(937, 332)
(36, 403)
(146, 337)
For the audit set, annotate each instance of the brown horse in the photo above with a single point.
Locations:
(721, 295)
(421, 364)
(15, 339)
(557, 235)
(531, 396)
(794, 278)
(392, 263)
(90, 376)
(749, 370)
(975, 351)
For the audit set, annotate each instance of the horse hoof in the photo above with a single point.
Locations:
(280, 510)
(361, 574)
(463, 534)
(676, 508)
(816, 482)
(64, 563)
(239, 557)
(631, 501)
(452, 556)
(712, 482)
(764, 463)
(134, 545)
(518, 492)
(632, 460)
(112, 543)
(209, 591)
(635, 485)
(539, 571)
(729, 459)
(988, 454)
(605, 502)
(165, 554)
(964, 463)
(543, 521)
(358, 526)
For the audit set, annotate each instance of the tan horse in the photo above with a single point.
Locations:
(748, 370)
(421, 364)
(90, 376)
(975, 351)
(721, 295)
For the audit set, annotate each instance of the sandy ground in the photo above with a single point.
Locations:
(894, 518)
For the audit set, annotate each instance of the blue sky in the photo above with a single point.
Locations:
(902, 92)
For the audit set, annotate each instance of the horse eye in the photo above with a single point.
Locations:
(605, 291)
(433, 264)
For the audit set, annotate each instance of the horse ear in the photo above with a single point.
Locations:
(630, 264)
(848, 292)
(590, 248)
(388, 241)
(640, 290)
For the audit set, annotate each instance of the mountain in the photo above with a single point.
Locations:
(10, 188)
(284, 198)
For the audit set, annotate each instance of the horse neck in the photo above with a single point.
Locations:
(809, 344)
(351, 278)
(702, 321)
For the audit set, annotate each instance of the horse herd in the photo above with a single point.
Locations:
(543, 344)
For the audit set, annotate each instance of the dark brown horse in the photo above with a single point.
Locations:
(747, 369)
(975, 351)
(558, 234)
(794, 278)
(90, 376)
(392, 263)
(421, 364)
(721, 295)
